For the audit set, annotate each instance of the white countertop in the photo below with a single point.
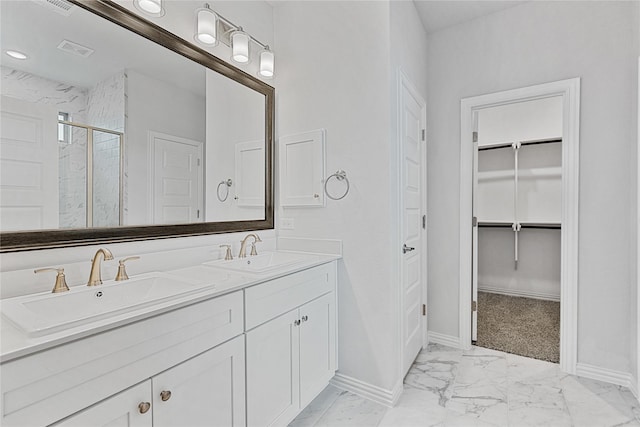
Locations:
(15, 343)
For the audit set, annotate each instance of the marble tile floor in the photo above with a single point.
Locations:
(481, 387)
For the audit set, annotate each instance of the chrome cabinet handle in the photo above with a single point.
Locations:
(296, 322)
(143, 407)
(406, 248)
(305, 318)
(165, 395)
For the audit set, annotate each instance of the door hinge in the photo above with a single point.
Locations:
(474, 306)
(424, 134)
(424, 222)
(474, 221)
(198, 162)
(198, 213)
(424, 309)
(474, 135)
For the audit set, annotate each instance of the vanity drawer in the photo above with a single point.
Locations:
(45, 387)
(269, 300)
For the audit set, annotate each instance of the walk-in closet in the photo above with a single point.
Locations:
(517, 217)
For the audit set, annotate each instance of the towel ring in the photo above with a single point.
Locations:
(340, 175)
(228, 184)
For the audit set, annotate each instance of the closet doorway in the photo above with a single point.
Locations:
(517, 198)
(511, 230)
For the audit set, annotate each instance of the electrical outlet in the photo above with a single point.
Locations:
(286, 223)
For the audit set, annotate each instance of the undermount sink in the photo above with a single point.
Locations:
(259, 264)
(43, 314)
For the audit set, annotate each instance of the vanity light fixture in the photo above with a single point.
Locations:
(16, 55)
(211, 28)
(150, 7)
(240, 46)
(267, 60)
(206, 26)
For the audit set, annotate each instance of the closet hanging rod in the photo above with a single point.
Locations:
(510, 144)
(523, 225)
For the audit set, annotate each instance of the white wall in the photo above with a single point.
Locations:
(153, 105)
(337, 71)
(235, 114)
(534, 43)
(334, 74)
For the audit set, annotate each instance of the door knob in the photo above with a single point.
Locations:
(406, 248)
(165, 395)
(143, 407)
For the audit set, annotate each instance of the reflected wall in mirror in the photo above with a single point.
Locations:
(103, 128)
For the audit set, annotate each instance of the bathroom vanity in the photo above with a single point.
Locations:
(245, 348)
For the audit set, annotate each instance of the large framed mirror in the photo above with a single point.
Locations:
(114, 129)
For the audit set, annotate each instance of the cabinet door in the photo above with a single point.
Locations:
(317, 346)
(272, 371)
(207, 390)
(120, 410)
(302, 169)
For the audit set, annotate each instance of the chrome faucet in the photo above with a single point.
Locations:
(95, 278)
(243, 245)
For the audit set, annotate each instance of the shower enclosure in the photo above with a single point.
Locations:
(90, 178)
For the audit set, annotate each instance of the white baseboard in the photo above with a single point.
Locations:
(519, 293)
(442, 339)
(611, 376)
(374, 393)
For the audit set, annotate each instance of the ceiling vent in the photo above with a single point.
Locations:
(62, 7)
(75, 48)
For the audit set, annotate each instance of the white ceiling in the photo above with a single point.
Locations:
(439, 14)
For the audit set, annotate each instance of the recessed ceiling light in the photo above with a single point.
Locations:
(15, 54)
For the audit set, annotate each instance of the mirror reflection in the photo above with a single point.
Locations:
(103, 128)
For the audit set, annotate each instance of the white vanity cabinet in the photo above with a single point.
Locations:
(47, 386)
(206, 390)
(292, 357)
(253, 357)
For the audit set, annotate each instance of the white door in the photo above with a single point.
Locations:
(413, 184)
(317, 346)
(177, 194)
(273, 356)
(249, 174)
(207, 390)
(121, 410)
(28, 166)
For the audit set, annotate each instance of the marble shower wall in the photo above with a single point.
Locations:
(106, 109)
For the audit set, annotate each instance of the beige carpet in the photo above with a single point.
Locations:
(524, 326)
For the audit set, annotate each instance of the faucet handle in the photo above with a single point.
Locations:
(227, 256)
(122, 271)
(61, 283)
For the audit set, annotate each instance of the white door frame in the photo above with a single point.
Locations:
(570, 91)
(151, 153)
(637, 379)
(404, 82)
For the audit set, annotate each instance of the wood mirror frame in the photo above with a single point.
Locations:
(42, 239)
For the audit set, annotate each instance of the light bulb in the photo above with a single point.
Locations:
(240, 46)
(150, 7)
(206, 26)
(15, 54)
(267, 60)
